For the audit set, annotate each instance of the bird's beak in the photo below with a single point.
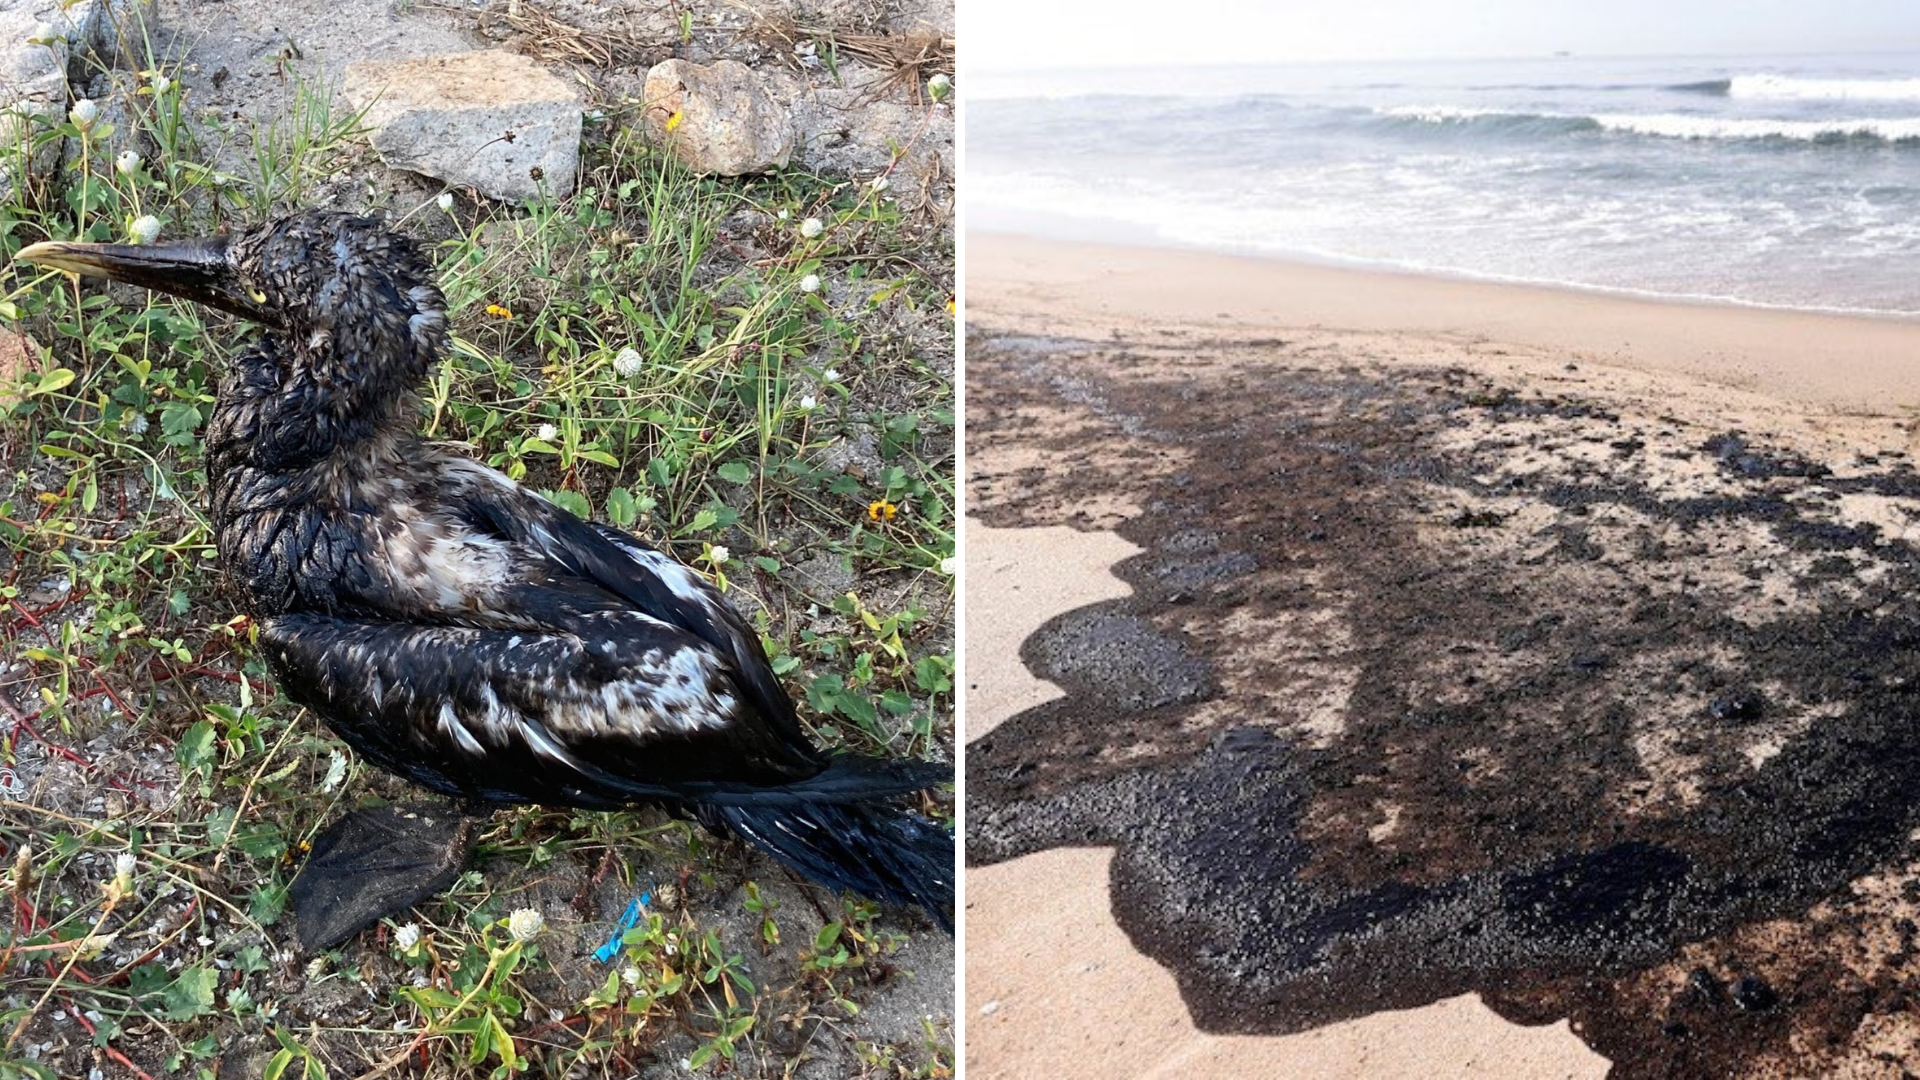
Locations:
(195, 270)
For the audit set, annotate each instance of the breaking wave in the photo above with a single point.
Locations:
(1789, 88)
(1668, 125)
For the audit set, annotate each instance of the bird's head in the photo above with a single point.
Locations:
(338, 287)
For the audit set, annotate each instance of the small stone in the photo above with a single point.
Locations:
(717, 118)
(491, 120)
(1740, 704)
(1703, 987)
(1752, 994)
(19, 354)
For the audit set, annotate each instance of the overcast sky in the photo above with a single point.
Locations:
(1041, 34)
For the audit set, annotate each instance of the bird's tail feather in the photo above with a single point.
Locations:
(853, 778)
(879, 851)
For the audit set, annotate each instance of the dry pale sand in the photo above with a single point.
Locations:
(1853, 364)
(1053, 986)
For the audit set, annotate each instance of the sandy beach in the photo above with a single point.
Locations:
(1374, 675)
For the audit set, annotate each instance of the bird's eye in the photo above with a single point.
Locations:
(258, 296)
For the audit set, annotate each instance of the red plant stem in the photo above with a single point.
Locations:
(22, 723)
(80, 1015)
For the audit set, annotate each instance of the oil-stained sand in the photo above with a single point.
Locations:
(1433, 684)
(1055, 989)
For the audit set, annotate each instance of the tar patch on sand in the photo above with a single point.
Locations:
(1433, 685)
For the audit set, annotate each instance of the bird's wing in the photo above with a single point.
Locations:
(652, 582)
(624, 707)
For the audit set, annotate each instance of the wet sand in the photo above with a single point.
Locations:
(1415, 690)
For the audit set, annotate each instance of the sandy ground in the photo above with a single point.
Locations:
(1081, 363)
(1863, 365)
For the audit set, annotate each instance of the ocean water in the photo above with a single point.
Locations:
(1776, 181)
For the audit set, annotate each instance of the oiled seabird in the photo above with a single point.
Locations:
(468, 634)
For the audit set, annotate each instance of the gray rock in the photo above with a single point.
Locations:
(492, 120)
(42, 43)
(717, 118)
(847, 131)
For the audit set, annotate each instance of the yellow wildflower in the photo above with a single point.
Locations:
(882, 510)
(499, 312)
(674, 121)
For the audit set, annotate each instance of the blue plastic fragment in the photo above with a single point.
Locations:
(628, 920)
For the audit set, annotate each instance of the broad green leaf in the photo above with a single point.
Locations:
(191, 994)
(57, 379)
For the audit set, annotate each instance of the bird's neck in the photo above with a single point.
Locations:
(303, 403)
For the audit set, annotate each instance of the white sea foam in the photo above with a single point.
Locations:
(1786, 87)
(1686, 126)
(1446, 114)
(1679, 125)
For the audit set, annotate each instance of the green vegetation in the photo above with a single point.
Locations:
(673, 354)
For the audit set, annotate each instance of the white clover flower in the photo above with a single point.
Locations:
(947, 566)
(812, 227)
(546, 432)
(627, 363)
(880, 183)
(525, 924)
(128, 162)
(939, 87)
(831, 375)
(124, 865)
(720, 554)
(137, 425)
(630, 975)
(808, 404)
(810, 283)
(84, 113)
(445, 202)
(782, 215)
(145, 229)
(406, 937)
(161, 84)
